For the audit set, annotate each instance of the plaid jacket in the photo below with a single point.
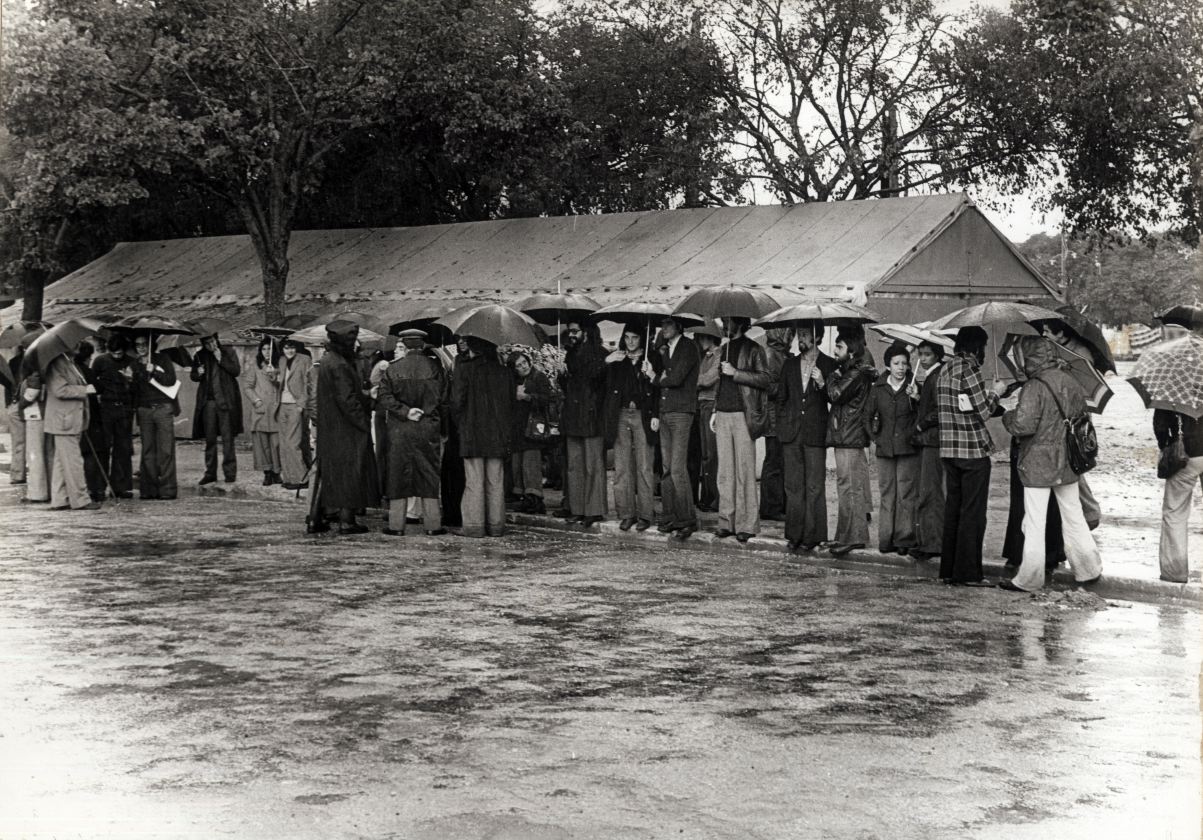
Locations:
(963, 433)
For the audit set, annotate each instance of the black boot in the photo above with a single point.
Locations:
(267, 479)
(534, 504)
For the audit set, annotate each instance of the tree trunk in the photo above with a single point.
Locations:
(33, 292)
(275, 280)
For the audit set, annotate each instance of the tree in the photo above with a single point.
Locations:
(1096, 106)
(244, 100)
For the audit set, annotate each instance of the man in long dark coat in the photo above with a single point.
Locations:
(482, 399)
(412, 393)
(218, 407)
(346, 463)
(581, 422)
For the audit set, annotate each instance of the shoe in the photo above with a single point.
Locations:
(149, 498)
(60, 507)
(392, 532)
(920, 554)
(643, 524)
(166, 498)
(288, 485)
(16, 481)
(437, 532)
(840, 550)
(625, 525)
(793, 547)
(807, 548)
(124, 494)
(666, 527)
(744, 536)
(277, 478)
(267, 479)
(1094, 579)
(208, 479)
(1010, 586)
(590, 521)
(564, 513)
(534, 504)
(577, 520)
(980, 584)
(317, 528)
(352, 529)
(903, 552)
(684, 533)
(90, 506)
(231, 479)
(723, 533)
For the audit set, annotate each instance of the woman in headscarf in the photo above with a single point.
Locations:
(1049, 396)
(632, 409)
(261, 386)
(534, 398)
(346, 463)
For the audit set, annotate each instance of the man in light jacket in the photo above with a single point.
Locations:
(65, 417)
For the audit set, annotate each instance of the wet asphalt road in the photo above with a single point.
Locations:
(202, 669)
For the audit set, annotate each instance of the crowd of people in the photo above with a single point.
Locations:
(452, 439)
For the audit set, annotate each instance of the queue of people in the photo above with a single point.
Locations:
(387, 431)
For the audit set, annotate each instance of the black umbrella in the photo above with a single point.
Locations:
(560, 308)
(1183, 315)
(1090, 334)
(423, 315)
(728, 302)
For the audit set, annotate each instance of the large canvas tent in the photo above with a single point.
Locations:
(914, 258)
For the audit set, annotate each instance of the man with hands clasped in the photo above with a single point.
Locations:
(632, 421)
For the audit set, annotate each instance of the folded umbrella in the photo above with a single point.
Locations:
(1080, 368)
(61, 340)
(493, 323)
(834, 312)
(1170, 376)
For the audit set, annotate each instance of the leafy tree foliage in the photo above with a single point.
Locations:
(1094, 105)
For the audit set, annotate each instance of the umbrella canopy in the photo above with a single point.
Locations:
(286, 327)
(913, 334)
(1089, 333)
(208, 326)
(422, 316)
(727, 302)
(833, 312)
(493, 323)
(1183, 315)
(315, 336)
(994, 312)
(6, 373)
(645, 314)
(560, 308)
(14, 334)
(153, 323)
(1170, 376)
(62, 340)
(1080, 368)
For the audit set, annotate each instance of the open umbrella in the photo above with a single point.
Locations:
(61, 340)
(913, 334)
(13, 334)
(727, 302)
(315, 336)
(834, 312)
(422, 316)
(493, 323)
(1088, 332)
(6, 373)
(1170, 376)
(994, 312)
(1080, 368)
(1183, 315)
(286, 327)
(558, 308)
(644, 315)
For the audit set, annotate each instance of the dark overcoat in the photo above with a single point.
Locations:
(584, 391)
(219, 382)
(541, 401)
(414, 447)
(482, 401)
(649, 404)
(346, 464)
(891, 417)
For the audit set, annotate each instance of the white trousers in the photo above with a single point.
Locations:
(1080, 548)
(1175, 514)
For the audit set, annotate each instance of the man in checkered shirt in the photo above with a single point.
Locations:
(965, 404)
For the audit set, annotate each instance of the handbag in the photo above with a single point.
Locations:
(1172, 458)
(540, 429)
(1081, 443)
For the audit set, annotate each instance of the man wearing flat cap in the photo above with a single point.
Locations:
(218, 410)
(412, 394)
(346, 463)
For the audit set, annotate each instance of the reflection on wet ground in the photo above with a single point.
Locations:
(220, 667)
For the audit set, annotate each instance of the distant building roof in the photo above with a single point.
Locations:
(923, 246)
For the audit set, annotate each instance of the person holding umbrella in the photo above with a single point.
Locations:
(64, 418)
(632, 420)
(678, 402)
(740, 416)
(114, 377)
(848, 393)
(772, 473)
(154, 386)
(345, 461)
(965, 404)
(482, 400)
(218, 406)
(584, 387)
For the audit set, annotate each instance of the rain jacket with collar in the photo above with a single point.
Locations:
(1037, 421)
(754, 380)
(219, 382)
(65, 410)
(848, 392)
(891, 417)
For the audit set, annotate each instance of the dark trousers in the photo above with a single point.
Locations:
(1054, 541)
(156, 475)
(116, 446)
(676, 494)
(967, 488)
(772, 480)
(219, 421)
(708, 498)
(805, 481)
(451, 484)
(95, 455)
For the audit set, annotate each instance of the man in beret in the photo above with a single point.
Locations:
(412, 394)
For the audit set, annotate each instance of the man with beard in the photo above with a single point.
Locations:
(582, 422)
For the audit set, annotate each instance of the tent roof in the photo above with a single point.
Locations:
(819, 249)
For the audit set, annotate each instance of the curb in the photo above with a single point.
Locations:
(1117, 588)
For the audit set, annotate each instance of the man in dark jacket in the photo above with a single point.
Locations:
(678, 381)
(802, 429)
(218, 406)
(346, 464)
(772, 473)
(740, 416)
(848, 391)
(582, 424)
(411, 393)
(154, 385)
(482, 400)
(114, 379)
